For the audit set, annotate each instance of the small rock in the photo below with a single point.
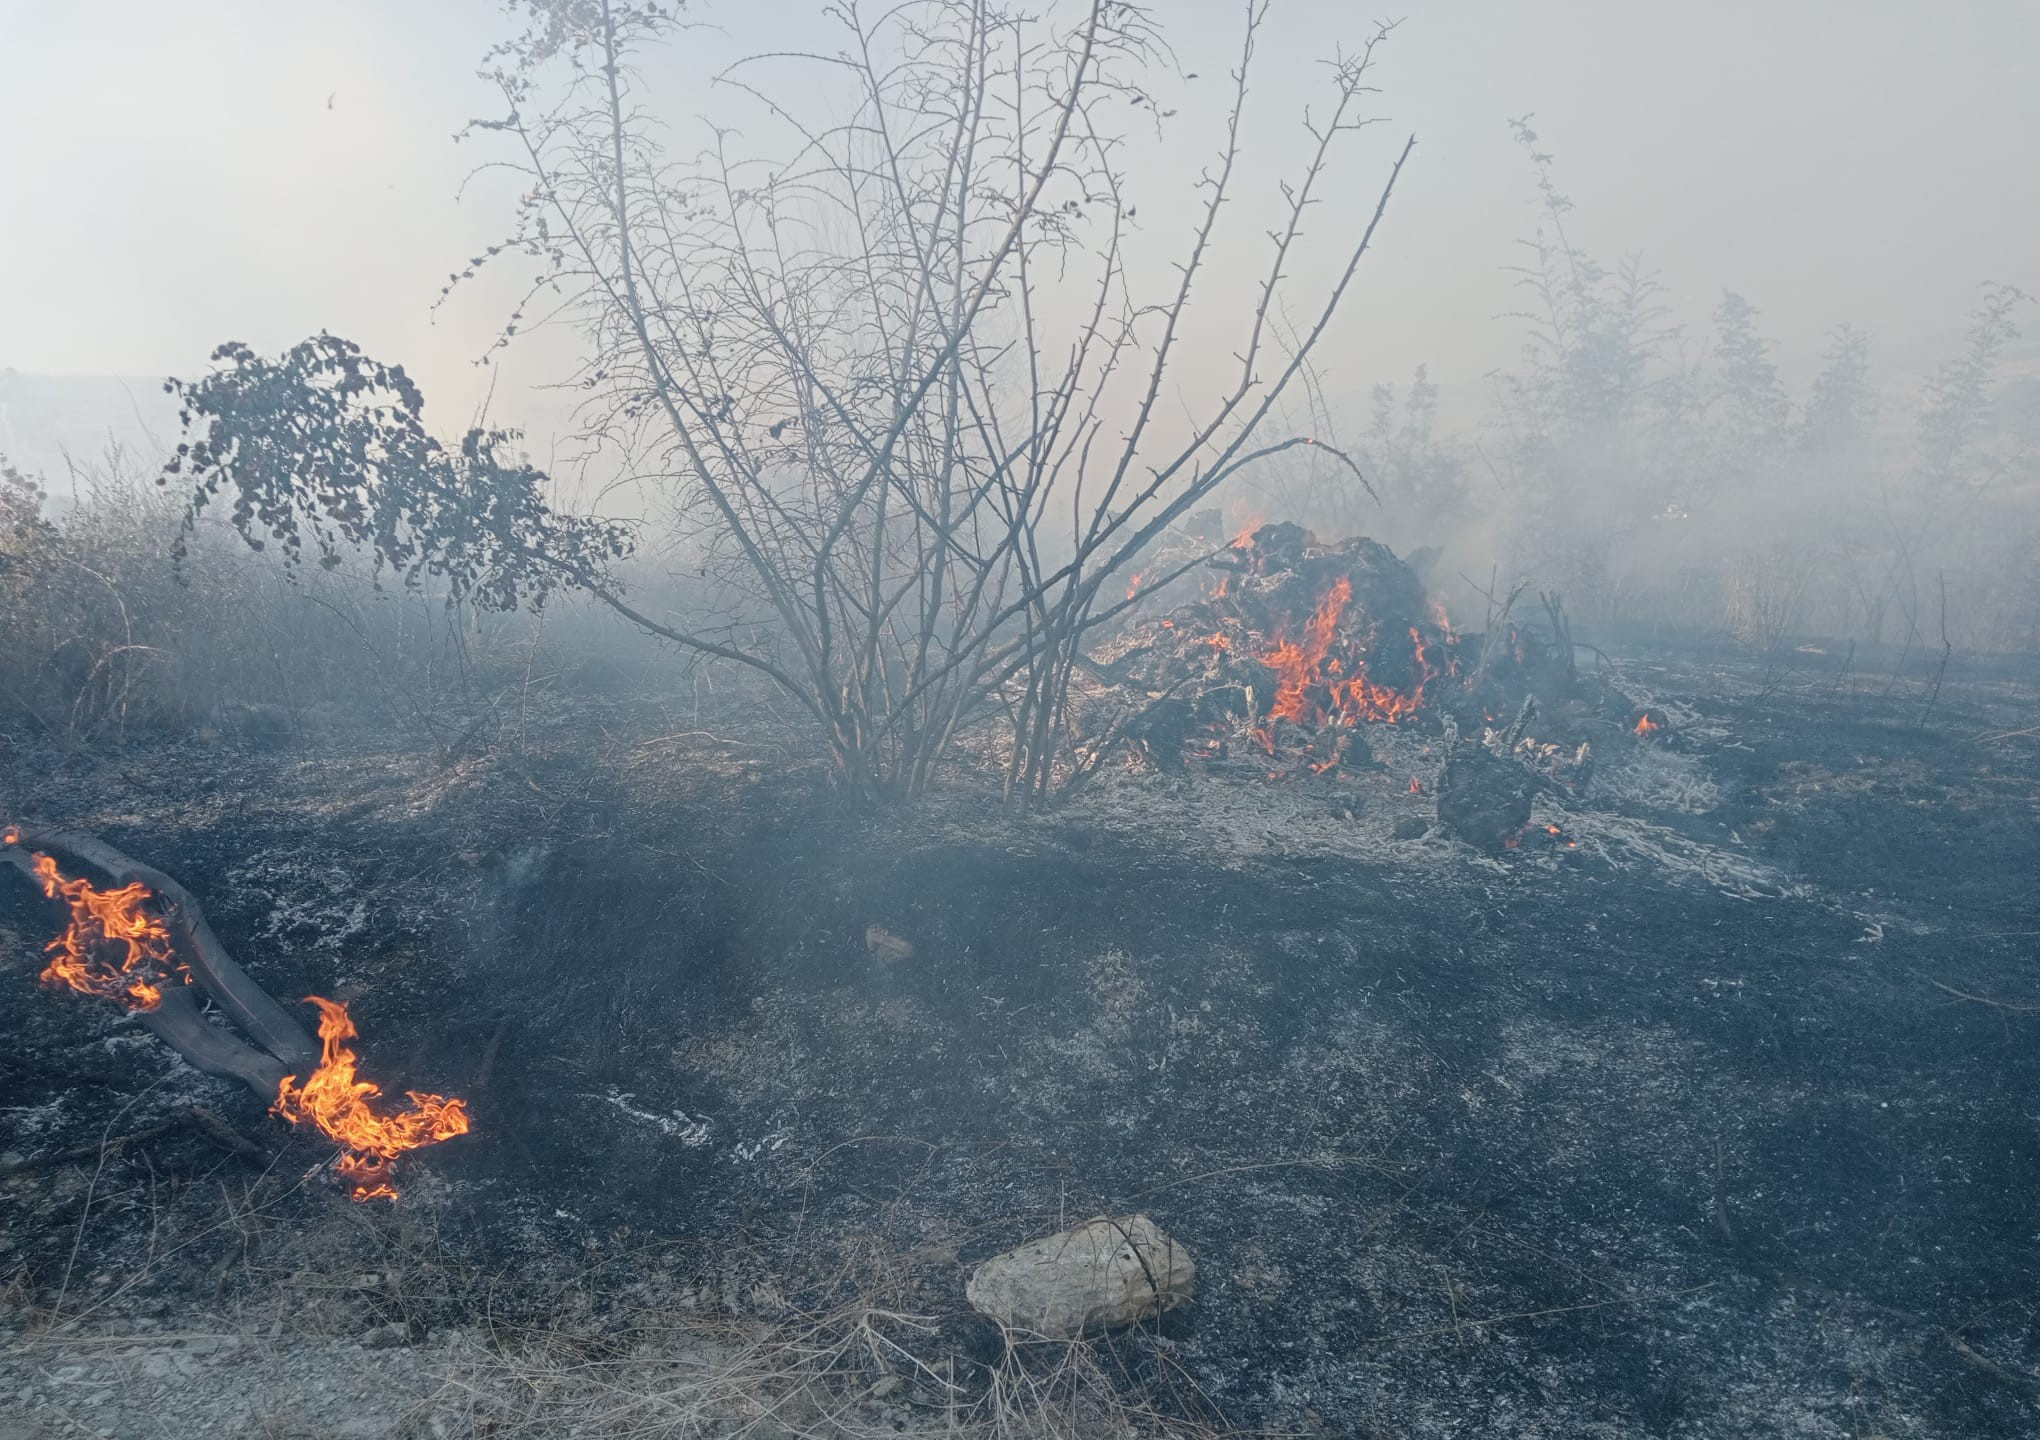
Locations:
(1101, 1275)
(382, 1337)
(884, 945)
(1412, 827)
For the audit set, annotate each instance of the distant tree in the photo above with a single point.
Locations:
(1841, 409)
(1421, 475)
(1588, 412)
(1751, 406)
(1593, 332)
(1957, 401)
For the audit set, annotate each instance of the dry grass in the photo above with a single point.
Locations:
(847, 1374)
(673, 1342)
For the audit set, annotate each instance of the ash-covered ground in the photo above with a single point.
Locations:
(1710, 1114)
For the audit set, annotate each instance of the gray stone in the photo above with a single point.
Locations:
(1101, 1275)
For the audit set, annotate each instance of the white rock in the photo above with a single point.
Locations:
(1103, 1274)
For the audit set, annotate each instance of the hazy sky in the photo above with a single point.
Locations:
(181, 174)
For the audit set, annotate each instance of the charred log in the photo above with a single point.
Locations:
(174, 1018)
(177, 1023)
(229, 986)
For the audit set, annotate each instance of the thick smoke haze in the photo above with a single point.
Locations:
(183, 175)
(213, 171)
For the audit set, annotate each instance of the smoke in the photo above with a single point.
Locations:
(1661, 472)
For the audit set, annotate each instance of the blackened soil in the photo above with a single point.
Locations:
(1462, 1147)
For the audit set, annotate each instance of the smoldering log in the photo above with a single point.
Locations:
(248, 1004)
(176, 1021)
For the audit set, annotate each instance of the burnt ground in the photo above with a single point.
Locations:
(1711, 1116)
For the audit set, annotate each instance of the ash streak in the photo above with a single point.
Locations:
(689, 1130)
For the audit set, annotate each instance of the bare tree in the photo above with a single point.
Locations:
(902, 383)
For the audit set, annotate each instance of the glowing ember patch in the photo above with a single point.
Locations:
(1416, 786)
(115, 948)
(338, 1104)
(1647, 726)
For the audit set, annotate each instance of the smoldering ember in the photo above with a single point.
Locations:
(972, 828)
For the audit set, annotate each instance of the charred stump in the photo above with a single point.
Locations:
(1484, 798)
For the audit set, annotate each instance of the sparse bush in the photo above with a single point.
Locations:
(109, 628)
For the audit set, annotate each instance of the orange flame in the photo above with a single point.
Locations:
(1647, 726)
(338, 1104)
(1416, 786)
(1297, 665)
(1133, 585)
(1302, 667)
(115, 948)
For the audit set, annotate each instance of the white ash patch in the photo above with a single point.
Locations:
(322, 901)
(1101, 1046)
(130, 1039)
(1249, 818)
(745, 1151)
(690, 1130)
(27, 1121)
(1629, 843)
(1247, 821)
(1651, 777)
(1685, 719)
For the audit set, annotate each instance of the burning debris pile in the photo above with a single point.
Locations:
(129, 944)
(1297, 644)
